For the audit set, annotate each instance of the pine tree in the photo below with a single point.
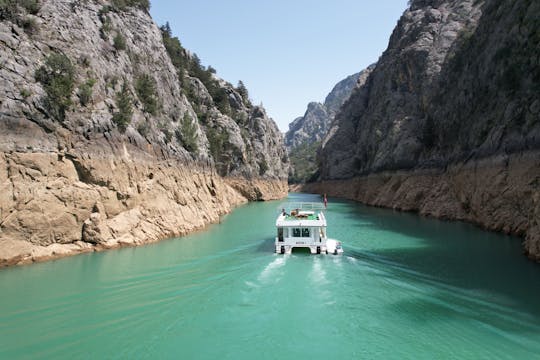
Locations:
(242, 90)
(122, 118)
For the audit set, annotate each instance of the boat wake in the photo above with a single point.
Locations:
(270, 269)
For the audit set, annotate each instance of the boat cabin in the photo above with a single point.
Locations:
(301, 225)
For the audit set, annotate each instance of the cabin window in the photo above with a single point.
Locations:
(305, 232)
(296, 232)
(286, 234)
(280, 234)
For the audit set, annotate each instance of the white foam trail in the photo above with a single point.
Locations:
(320, 281)
(318, 274)
(272, 267)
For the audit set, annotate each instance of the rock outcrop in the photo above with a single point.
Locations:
(447, 122)
(107, 140)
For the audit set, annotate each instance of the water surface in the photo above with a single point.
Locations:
(406, 288)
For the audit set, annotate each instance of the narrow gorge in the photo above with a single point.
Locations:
(113, 134)
(447, 123)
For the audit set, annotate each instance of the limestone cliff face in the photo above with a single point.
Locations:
(309, 128)
(104, 141)
(447, 123)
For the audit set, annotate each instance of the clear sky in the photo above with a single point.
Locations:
(287, 53)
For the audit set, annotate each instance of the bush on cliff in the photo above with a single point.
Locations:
(57, 78)
(11, 9)
(187, 134)
(85, 91)
(217, 138)
(119, 42)
(122, 118)
(145, 86)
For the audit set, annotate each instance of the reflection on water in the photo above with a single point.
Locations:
(406, 287)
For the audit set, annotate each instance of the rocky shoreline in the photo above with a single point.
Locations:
(55, 205)
(497, 193)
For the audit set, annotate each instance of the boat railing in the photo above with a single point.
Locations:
(301, 206)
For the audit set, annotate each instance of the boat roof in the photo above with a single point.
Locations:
(302, 220)
(301, 206)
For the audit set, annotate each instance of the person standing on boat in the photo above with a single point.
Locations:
(325, 200)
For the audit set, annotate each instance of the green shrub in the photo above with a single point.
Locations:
(8, 10)
(106, 24)
(31, 6)
(242, 90)
(145, 86)
(303, 160)
(187, 135)
(217, 140)
(85, 91)
(119, 42)
(57, 78)
(30, 26)
(122, 117)
(11, 9)
(25, 93)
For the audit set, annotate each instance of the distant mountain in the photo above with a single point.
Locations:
(314, 124)
(306, 132)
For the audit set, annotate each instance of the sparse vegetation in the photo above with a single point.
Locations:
(217, 140)
(25, 93)
(145, 86)
(124, 103)
(167, 135)
(243, 91)
(85, 91)
(303, 162)
(191, 65)
(122, 5)
(106, 22)
(119, 42)
(143, 128)
(57, 78)
(263, 167)
(11, 9)
(187, 134)
(30, 26)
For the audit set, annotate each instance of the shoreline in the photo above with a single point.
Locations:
(54, 206)
(498, 194)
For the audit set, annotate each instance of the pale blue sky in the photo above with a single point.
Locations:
(287, 53)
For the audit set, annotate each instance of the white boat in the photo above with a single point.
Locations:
(303, 225)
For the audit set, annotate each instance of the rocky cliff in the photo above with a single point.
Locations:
(313, 126)
(113, 134)
(448, 122)
(306, 132)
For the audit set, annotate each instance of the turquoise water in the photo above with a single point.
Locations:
(406, 288)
